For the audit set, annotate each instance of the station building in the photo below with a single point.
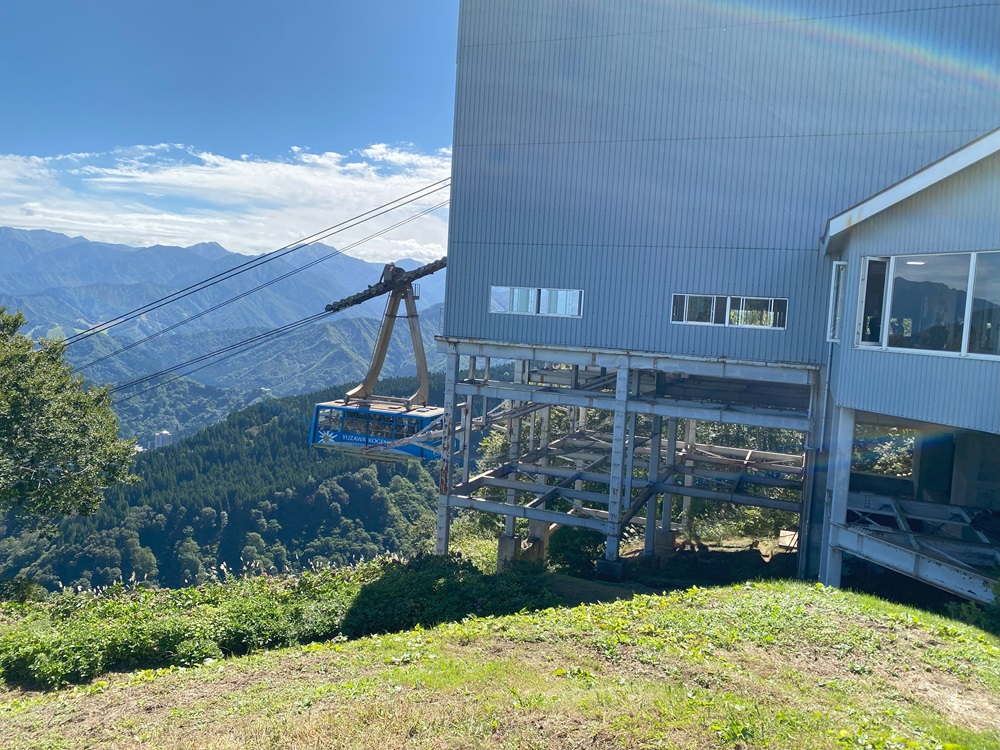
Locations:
(781, 215)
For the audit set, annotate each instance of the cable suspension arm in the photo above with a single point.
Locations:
(387, 285)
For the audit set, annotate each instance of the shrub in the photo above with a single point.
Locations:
(431, 589)
(21, 590)
(79, 635)
(575, 551)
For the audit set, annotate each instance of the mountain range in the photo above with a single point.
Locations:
(64, 285)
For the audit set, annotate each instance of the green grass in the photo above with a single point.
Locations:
(75, 637)
(756, 665)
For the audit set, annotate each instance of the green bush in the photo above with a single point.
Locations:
(21, 590)
(575, 551)
(76, 636)
(983, 616)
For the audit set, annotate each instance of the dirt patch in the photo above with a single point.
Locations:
(953, 699)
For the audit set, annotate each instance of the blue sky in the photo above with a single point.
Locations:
(249, 123)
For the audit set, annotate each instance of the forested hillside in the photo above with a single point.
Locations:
(337, 351)
(248, 492)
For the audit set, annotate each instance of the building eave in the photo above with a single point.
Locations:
(837, 227)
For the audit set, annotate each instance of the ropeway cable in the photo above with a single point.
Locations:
(258, 339)
(271, 334)
(261, 260)
(257, 288)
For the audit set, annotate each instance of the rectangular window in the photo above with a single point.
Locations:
(923, 303)
(524, 300)
(520, 300)
(756, 312)
(928, 302)
(835, 320)
(872, 301)
(565, 302)
(984, 328)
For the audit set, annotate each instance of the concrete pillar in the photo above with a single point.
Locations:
(831, 559)
(508, 550)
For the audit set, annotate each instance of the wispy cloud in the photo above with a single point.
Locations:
(176, 194)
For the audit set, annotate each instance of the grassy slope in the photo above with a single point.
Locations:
(776, 665)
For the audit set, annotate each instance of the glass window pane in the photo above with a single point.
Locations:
(984, 331)
(700, 309)
(735, 310)
(779, 309)
(928, 302)
(836, 302)
(677, 314)
(871, 316)
(753, 311)
(560, 302)
(523, 300)
(721, 306)
(500, 299)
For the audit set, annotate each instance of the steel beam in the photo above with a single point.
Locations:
(729, 497)
(835, 511)
(718, 367)
(912, 563)
(521, 511)
(744, 415)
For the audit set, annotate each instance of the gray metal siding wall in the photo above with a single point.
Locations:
(635, 150)
(961, 214)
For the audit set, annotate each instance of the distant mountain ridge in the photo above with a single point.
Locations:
(64, 285)
(73, 283)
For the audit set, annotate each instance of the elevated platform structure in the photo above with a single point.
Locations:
(595, 440)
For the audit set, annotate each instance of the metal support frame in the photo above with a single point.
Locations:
(552, 473)
(445, 482)
(616, 491)
(402, 290)
(944, 574)
(655, 439)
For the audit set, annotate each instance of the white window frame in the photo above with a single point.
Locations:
(535, 302)
(726, 322)
(882, 344)
(543, 293)
(859, 320)
(838, 297)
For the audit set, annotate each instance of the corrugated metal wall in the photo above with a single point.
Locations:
(639, 149)
(960, 214)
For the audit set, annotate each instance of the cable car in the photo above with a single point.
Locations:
(379, 427)
(354, 426)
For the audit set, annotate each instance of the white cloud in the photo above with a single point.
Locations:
(178, 195)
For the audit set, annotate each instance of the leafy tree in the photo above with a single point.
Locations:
(59, 447)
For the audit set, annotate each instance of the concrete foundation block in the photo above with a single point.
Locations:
(610, 570)
(663, 541)
(508, 550)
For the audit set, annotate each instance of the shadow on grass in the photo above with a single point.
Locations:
(429, 590)
(717, 567)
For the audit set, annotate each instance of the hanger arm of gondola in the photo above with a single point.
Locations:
(385, 286)
(361, 419)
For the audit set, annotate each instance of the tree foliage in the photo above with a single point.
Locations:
(59, 448)
(250, 494)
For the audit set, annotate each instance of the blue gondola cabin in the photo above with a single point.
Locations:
(355, 426)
